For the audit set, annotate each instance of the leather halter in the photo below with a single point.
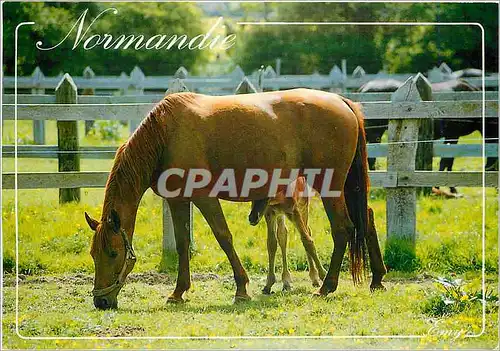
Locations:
(129, 262)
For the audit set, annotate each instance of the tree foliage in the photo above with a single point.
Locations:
(54, 20)
(303, 49)
(394, 48)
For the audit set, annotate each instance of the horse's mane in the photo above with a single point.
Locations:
(138, 158)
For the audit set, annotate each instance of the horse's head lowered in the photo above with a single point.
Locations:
(113, 257)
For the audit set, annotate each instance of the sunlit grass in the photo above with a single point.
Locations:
(48, 309)
(54, 240)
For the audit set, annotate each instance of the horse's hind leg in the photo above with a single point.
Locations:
(342, 230)
(272, 246)
(212, 211)
(376, 262)
(282, 240)
(180, 216)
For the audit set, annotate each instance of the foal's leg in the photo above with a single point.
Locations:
(342, 229)
(212, 211)
(376, 262)
(272, 246)
(180, 216)
(282, 240)
(299, 217)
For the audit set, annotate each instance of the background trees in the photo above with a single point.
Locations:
(303, 49)
(393, 48)
(54, 20)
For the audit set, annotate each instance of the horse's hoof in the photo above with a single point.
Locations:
(241, 298)
(317, 294)
(316, 283)
(287, 287)
(175, 300)
(325, 289)
(267, 291)
(377, 287)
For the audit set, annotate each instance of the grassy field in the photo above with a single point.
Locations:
(55, 299)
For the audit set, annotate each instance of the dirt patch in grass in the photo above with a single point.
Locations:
(123, 330)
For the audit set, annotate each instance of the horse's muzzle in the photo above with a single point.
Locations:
(105, 302)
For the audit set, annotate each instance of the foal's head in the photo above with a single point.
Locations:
(113, 259)
(259, 207)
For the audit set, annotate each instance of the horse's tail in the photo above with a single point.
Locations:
(356, 197)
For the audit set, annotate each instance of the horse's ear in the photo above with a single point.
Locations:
(91, 222)
(114, 221)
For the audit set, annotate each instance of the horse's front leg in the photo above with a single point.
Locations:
(180, 215)
(212, 211)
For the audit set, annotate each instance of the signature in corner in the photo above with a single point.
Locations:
(439, 330)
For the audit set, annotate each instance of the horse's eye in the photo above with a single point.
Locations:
(113, 254)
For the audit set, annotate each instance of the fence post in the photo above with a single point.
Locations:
(343, 63)
(245, 87)
(270, 73)
(260, 84)
(401, 202)
(88, 74)
(424, 156)
(436, 75)
(67, 138)
(125, 78)
(337, 79)
(358, 72)
(236, 74)
(181, 73)
(168, 241)
(137, 88)
(278, 67)
(38, 126)
(443, 67)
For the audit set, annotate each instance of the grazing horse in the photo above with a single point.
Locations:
(296, 209)
(448, 129)
(286, 130)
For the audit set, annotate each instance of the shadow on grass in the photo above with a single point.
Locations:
(258, 302)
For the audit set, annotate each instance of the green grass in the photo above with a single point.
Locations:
(54, 242)
(48, 309)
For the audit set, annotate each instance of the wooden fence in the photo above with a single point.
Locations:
(137, 83)
(404, 110)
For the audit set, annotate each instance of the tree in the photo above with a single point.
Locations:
(308, 48)
(411, 49)
(54, 20)
(394, 48)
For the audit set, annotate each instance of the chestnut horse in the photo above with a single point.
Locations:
(295, 129)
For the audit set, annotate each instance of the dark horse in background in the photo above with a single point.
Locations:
(449, 129)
